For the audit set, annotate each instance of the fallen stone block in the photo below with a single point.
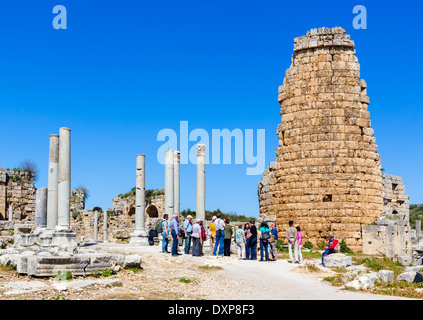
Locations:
(337, 260)
(132, 261)
(386, 275)
(110, 283)
(78, 265)
(22, 287)
(407, 276)
(355, 284)
(358, 268)
(415, 269)
(365, 282)
(348, 277)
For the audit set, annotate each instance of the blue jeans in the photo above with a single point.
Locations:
(247, 248)
(188, 242)
(264, 245)
(327, 252)
(165, 242)
(253, 248)
(174, 243)
(220, 236)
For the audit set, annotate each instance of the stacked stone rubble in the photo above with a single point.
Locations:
(327, 176)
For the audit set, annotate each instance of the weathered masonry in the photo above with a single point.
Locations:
(327, 176)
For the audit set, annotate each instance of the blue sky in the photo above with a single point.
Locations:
(124, 70)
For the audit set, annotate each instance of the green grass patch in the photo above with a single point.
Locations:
(207, 267)
(134, 269)
(185, 280)
(63, 275)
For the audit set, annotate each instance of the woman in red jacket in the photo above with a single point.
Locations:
(332, 247)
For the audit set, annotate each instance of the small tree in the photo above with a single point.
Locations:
(84, 190)
(30, 166)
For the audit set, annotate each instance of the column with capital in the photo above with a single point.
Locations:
(201, 183)
(169, 183)
(176, 182)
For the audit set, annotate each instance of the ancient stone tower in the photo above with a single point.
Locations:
(327, 176)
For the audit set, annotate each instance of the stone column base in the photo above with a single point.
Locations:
(63, 237)
(139, 237)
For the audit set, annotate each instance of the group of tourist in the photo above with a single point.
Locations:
(246, 238)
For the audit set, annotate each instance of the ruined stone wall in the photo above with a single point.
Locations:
(120, 219)
(17, 190)
(327, 176)
(391, 234)
(119, 226)
(125, 204)
(77, 200)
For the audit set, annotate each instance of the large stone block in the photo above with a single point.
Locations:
(386, 275)
(337, 260)
(79, 264)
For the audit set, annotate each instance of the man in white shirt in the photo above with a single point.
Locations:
(220, 235)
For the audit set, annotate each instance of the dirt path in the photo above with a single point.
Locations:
(183, 278)
(245, 280)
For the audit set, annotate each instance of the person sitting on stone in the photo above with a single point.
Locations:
(332, 247)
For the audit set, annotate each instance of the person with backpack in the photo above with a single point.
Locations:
(253, 240)
(240, 242)
(332, 247)
(264, 237)
(273, 241)
(162, 228)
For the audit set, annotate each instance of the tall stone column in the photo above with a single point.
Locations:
(41, 208)
(105, 234)
(418, 229)
(63, 233)
(176, 182)
(95, 226)
(140, 235)
(53, 175)
(64, 180)
(201, 183)
(169, 184)
(10, 213)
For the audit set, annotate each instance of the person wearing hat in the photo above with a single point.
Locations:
(187, 230)
(332, 247)
(213, 231)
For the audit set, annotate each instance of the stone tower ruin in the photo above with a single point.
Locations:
(327, 176)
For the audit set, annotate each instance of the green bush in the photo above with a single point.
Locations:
(75, 214)
(280, 246)
(344, 248)
(308, 245)
(107, 273)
